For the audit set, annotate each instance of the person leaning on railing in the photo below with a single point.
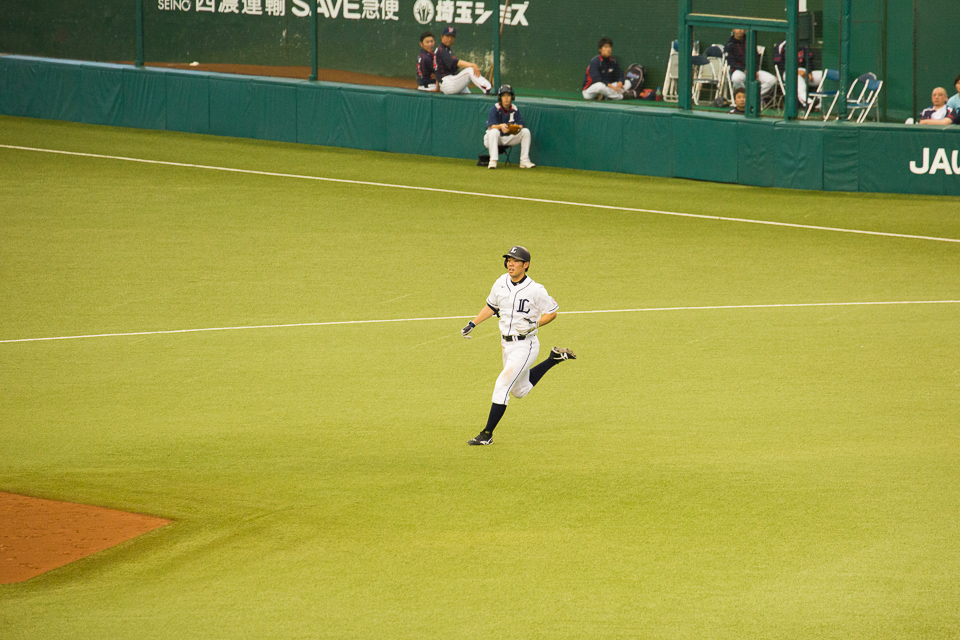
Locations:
(939, 113)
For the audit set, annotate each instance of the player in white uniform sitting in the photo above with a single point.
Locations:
(505, 127)
(523, 306)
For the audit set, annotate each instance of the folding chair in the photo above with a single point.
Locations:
(502, 150)
(779, 92)
(860, 84)
(726, 82)
(866, 101)
(670, 93)
(709, 72)
(816, 97)
(672, 79)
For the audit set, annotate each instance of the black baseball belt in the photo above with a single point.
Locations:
(512, 338)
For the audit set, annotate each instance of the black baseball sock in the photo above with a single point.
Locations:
(496, 412)
(538, 371)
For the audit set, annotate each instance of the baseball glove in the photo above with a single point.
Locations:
(530, 328)
(514, 129)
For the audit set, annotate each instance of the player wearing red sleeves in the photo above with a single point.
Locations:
(426, 79)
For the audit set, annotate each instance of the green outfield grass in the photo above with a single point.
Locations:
(787, 472)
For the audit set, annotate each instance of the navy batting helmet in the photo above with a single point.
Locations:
(517, 253)
(505, 88)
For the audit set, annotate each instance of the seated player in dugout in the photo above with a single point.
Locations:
(736, 50)
(940, 113)
(453, 75)
(604, 77)
(739, 101)
(505, 127)
(426, 80)
(805, 80)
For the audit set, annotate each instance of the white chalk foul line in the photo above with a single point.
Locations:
(485, 195)
(385, 321)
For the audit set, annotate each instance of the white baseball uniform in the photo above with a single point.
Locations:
(767, 81)
(458, 83)
(520, 306)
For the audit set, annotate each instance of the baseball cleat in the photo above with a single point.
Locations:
(492, 164)
(485, 437)
(527, 165)
(559, 354)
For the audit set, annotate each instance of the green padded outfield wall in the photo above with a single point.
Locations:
(627, 138)
(545, 48)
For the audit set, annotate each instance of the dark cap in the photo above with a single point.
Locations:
(449, 31)
(518, 253)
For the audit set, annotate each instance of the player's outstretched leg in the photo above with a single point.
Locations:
(557, 355)
(486, 436)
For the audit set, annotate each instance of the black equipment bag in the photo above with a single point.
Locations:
(635, 76)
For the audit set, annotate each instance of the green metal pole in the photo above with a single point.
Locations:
(314, 36)
(844, 59)
(753, 87)
(790, 82)
(140, 56)
(496, 50)
(684, 42)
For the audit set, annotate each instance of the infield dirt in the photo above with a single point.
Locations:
(38, 535)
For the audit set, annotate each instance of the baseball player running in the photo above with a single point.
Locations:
(505, 127)
(523, 306)
(453, 74)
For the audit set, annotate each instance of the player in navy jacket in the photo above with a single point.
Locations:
(805, 80)
(453, 74)
(604, 77)
(736, 50)
(426, 81)
(502, 116)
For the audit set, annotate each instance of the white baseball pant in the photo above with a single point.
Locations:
(458, 83)
(767, 80)
(599, 89)
(813, 79)
(494, 137)
(514, 380)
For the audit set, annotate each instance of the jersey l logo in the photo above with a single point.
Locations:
(522, 308)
